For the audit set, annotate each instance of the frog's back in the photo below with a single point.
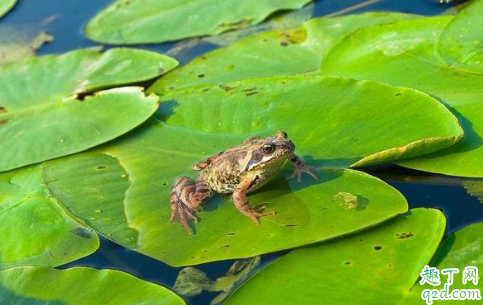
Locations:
(223, 174)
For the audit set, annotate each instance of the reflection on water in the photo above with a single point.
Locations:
(65, 19)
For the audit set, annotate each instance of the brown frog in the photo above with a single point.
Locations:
(238, 170)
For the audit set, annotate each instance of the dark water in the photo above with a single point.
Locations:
(420, 189)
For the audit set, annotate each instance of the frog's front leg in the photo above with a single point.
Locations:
(241, 201)
(300, 168)
(186, 196)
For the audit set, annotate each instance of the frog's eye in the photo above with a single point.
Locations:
(268, 148)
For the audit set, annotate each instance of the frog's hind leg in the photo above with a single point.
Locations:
(186, 196)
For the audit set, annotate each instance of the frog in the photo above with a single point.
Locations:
(238, 170)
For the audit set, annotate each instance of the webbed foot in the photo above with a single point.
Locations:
(301, 168)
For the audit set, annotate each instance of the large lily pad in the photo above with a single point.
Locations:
(114, 180)
(42, 118)
(152, 21)
(6, 5)
(281, 52)
(461, 43)
(379, 266)
(80, 286)
(35, 229)
(404, 53)
(331, 117)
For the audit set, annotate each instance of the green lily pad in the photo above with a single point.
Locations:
(6, 5)
(460, 250)
(281, 52)
(80, 286)
(153, 21)
(42, 117)
(461, 43)
(306, 213)
(35, 229)
(379, 266)
(281, 21)
(404, 53)
(331, 117)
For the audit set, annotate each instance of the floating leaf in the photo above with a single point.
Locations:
(6, 5)
(282, 52)
(80, 286)
(153, 21)
(42, 118)
(462, 249)
(306, 213)
(404, 53)
(331, 117)
(287, 20)
(35, 229)
(461, 43)
(378, 266)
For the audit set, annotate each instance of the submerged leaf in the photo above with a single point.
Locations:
(80, 286)
(404, 53)
(378, 266)
(474, 188)
(18, 43)
(283, 52)
(42, 117)
(35, 229)
(192, 281)
(305, 213)
(153, 21)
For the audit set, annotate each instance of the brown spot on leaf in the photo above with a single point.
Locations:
(405, 235)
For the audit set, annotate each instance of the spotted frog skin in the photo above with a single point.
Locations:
(237, 170)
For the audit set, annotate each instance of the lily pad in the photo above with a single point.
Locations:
(461, 43)
(153, 21)
(80, 286)
(35, 229)
(405, 54)
(282, 52)
(6, 5)
(42, 117)
(331, 117)
(460, 250)
(306, 213)
(379, 266)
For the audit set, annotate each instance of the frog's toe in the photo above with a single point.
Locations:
(298, 172)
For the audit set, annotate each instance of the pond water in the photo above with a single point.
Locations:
(65, 19)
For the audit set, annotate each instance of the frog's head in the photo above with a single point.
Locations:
(271, 151)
